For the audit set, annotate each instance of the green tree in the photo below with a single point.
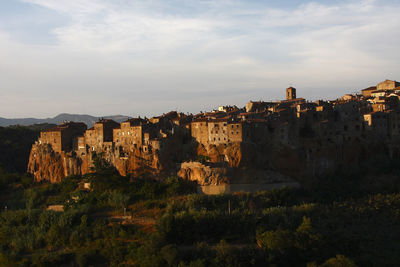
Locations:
(339, 261)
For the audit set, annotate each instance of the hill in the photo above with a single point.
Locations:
(87, 119)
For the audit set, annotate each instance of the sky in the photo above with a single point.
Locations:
(104, 57)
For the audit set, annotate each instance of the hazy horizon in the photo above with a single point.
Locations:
(102, 57)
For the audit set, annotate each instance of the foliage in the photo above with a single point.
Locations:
(203, 159)
(15, 145)
(341, 220)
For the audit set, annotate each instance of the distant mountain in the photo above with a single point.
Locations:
(87, 119)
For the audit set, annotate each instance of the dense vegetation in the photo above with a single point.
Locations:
(348, 219)
(16, 143)
(129, 220)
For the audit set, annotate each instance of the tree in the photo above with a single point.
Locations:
(117, 199)
(339, 261)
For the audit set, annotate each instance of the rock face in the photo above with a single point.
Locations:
(45, 164)
(222, 164)
(202, 174)
(206, 174)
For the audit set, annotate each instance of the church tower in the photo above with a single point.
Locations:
(290, 93)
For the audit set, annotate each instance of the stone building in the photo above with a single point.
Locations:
(62, 137)
(376, 122)
(129, 135)
(290, 93)
(235, 131)
(393, 123)
(387, 85)
(368, 91)
(347, 110)
(100, 133)
(217, 131)
(259, 106)
(199, 130)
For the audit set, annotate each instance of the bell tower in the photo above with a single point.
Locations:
(290, 93)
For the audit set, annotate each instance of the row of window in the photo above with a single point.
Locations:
(129, 133)
(232, 132)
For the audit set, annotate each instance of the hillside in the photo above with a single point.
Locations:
(15, 144)
(87, 119)
(343, 220)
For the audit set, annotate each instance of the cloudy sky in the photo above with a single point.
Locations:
(147, 57)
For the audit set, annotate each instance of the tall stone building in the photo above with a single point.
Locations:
(290, 93)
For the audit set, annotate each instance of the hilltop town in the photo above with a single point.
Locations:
(262, 140)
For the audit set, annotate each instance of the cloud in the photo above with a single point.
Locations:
(76, 8)
(148, 57)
